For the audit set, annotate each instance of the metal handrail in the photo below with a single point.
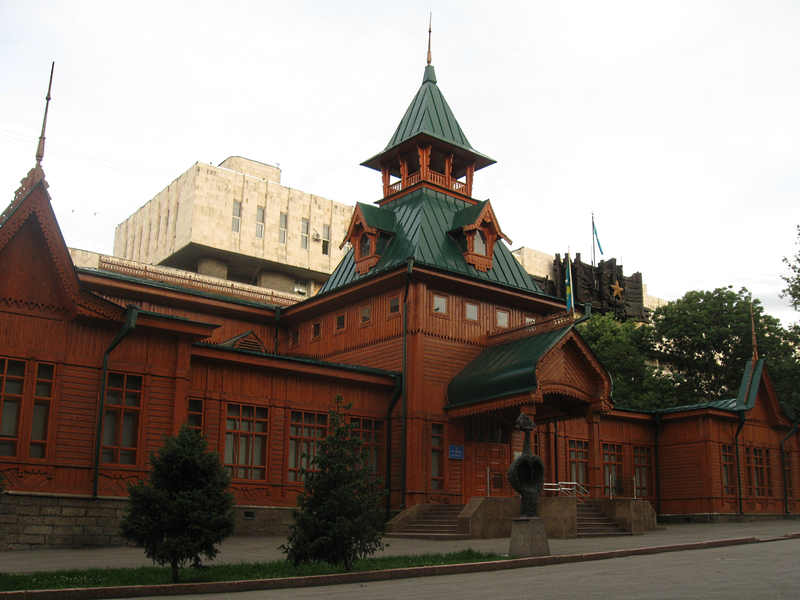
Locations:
(571, 489)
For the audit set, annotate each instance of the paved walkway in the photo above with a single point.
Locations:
(245, 549)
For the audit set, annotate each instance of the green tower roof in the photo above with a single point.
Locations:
(429, 115)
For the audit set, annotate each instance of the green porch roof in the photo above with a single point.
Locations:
(423, 219)
(430, 115)
(502, 370)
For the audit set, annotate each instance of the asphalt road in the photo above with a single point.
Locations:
(767, 570)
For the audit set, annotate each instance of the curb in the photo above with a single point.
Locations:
(224, 587)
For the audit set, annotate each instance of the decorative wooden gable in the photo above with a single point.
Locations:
(38, 275)
(480, 231)
(370, 228)
(570, 369)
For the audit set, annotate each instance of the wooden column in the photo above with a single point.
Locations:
(448, 172)
(386, 179)
(470, 176)
(424, 161)
(403, 172)
(595, 456)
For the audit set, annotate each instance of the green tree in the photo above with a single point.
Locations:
(339, 516)
(183, 508)
(706, 336)
(626, 351)
(792, 289)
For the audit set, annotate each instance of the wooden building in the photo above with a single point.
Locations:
(429, 326)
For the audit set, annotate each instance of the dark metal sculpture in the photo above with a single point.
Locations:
(526, 473)
(604, 286)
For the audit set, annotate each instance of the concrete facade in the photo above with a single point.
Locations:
(226, 221)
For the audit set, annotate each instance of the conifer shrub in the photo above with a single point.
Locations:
(339, 517)
(183, 509)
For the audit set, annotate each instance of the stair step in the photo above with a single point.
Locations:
(428, 536)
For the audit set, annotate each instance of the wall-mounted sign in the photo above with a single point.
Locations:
(457, 452)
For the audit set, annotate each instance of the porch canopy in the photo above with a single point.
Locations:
(553, 372)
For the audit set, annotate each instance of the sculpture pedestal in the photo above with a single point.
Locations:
(528, 538)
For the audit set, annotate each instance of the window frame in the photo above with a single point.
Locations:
(615, 467)
(257, 430)
(260, 216)
(326, 240)
(497, 313)
(439, 296)
(121, 411)
(337, 330)
(366, 317)
(283, 227)
(372, 440)
(236, 222)
(728, 470)
(578, 461)
(477, 307)
(643, 465)
(296, 444)
(304, 229)
(399, 311)
(195, 419)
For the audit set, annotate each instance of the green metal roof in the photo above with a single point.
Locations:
(731, 404)
(383, 220)
(502, 370)
(429, 114)
(423, 219)
(467, 216)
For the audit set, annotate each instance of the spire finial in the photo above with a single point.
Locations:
(40, 149)
(430, 22)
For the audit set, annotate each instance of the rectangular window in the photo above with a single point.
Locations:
(260, 222)
(370, 432)
(530, 320)
(304, 234)
(502, 318)
(326, 239)
(121, 420)
(237, 216)
(305, 428)
(300, 287)
(340, 322)
(643, 471)
(394, 305)
(316, 330)
(471, 311)
(578, 461)
(728, 480)
(612, 469)
(282, 225)
(365, 318)
(437, 456)
(12, 385)
(194, 417)
(40, 419)
(295, 337)
(440, 305)
(759, 472)
(246, 436)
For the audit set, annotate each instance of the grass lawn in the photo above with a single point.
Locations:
(86, 578)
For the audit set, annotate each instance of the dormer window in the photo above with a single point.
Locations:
(479, 242)
(478, 226)
(365, 245)
(368, 233)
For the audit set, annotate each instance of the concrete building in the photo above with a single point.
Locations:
(237, 222)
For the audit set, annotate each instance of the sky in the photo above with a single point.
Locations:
(677, 124)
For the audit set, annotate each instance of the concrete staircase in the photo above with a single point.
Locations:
(593, 523)
(439, 522)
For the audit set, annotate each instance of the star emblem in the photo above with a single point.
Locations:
(616, 290)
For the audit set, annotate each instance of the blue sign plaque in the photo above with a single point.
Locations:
(457, 452)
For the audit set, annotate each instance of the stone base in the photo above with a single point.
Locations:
(528, 538)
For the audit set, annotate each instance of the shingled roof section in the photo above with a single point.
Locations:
(429, 114)
(423, 219)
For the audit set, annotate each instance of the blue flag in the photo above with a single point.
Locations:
(596, 239)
